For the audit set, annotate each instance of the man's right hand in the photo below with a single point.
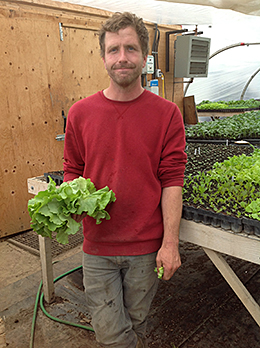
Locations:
(79, 218)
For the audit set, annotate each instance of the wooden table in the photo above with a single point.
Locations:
(217, 114)
(214, 241)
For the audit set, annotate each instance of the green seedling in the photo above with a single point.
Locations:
(231, 186)
(159, 272)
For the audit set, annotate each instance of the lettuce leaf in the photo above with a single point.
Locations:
(51, 210)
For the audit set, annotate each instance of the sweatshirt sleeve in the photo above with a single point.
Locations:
(173, 156)
(73, 165)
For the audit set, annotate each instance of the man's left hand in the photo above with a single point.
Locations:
(168, 257)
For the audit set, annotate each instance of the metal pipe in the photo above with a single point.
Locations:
(232, 46)
(247, 84)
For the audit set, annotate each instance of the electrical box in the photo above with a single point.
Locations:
(153, 86)
(149, 67)
(191, 56)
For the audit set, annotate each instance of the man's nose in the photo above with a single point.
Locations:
(122, 55)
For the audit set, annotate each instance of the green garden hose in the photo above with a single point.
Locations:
(39, 299)
(35, 315)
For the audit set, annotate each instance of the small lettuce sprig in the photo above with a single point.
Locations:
(159, 272)
(51, 210)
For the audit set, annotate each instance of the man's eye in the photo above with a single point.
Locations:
(112, 50)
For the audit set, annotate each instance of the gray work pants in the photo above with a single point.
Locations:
(119, 291)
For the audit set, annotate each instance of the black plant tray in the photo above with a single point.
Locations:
(251, 226)
(218, 220)
(222, 141)
(56, 176)
(229, 110)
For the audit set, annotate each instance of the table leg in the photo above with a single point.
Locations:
(235, 283)
(47, 271)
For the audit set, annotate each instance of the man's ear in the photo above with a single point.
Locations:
(104, 62)
(145, 60)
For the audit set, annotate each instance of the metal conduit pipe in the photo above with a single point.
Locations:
(222, 50)
(248, 82)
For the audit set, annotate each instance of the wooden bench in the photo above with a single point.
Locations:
(214, 241)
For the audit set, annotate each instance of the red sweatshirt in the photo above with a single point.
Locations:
(135, 148)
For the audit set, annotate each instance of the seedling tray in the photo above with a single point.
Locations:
(219, 220)
(56, 176)
(251, 226)
(247, 142)
(231, 110)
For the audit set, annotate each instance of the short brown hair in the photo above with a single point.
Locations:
(121, 21)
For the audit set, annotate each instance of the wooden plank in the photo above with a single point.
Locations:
(78, 26)
(81, 49)
(173, 86)
(61, 7)
(31, 102)
(235, 283)
(2, 334)
(189, 110)
(35, 185)
(218, 114)
(47, 270)
(239, 245)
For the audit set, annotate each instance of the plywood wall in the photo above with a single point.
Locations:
(42, 74)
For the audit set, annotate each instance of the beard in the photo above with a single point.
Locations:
(124, 78)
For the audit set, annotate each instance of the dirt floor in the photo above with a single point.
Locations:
(196, 308)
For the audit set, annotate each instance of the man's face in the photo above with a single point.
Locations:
(123, 57)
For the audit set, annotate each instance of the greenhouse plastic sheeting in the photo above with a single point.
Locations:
(251, 7)
(230, 71)
(174, 11)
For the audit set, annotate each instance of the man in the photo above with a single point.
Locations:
(133, 141)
